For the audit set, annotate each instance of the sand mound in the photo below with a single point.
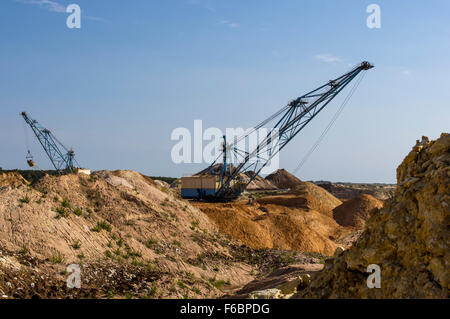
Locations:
(283, 179)
(407, 239)
(356, 211)
(310, 197)
(275, 225)
(12, 179)
(120, 217)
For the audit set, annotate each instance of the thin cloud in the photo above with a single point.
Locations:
(54, 6)
(406, 72)
(328, 58)
(229, 24)
(47, 4)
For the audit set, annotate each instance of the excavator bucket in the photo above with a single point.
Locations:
(31, 163)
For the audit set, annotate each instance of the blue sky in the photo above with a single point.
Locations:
(116, 88)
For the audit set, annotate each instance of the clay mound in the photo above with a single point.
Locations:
(259, 183)
(308, 196)
(356, 211)
(407, 239)
(283, 179)
(12, 179)
(271, 225)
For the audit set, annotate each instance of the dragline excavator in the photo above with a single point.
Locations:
(62, 158)
(222, 181)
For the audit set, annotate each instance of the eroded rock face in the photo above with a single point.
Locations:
(408, 238)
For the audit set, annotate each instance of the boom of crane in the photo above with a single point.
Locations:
(289, 121)
(61, 157)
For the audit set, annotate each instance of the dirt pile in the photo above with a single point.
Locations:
(283, 179)
(345, 191)
(12, 179)
(407, 239)
(119, 217)
(312, 197)
(276, 222)
(356, 211)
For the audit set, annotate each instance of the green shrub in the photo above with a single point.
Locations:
(25, 199)
(77, 211)
(102, 225)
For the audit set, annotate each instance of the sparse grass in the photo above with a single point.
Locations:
(77, 211)
(80, 256)
(194, 224)
(110, 294)
(150, 243)
(152, 292)
(55, 199)
(120, 242)
(24, 250)
(56, 258)
(176, 243)
(181, 284)
(102, 225)
(61, 212)
(218, 283)
(108, 254)
(25, 199)
(134, 253)
(65, 203)
(76, 244)
(39, 201)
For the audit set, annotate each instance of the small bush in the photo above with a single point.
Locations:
(61, 212)
(77, 211)
(102, 225)
(76, 245)
(25, 199)
(56, 258)
(151, 242)
(65, 203)
(24, 250)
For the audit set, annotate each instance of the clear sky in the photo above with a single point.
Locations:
(116, 88)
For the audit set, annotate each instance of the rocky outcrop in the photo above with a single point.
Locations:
(408, 239)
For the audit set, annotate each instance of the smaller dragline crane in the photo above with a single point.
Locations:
(61, 157)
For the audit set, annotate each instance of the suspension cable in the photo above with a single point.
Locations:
(333, 120)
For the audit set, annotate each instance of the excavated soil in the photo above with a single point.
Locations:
(356, 211)
(119, 217)
(11, 179)
(283, 179)
(281, 221)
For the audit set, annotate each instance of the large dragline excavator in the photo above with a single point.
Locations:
(222, 181)
(62, 158)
